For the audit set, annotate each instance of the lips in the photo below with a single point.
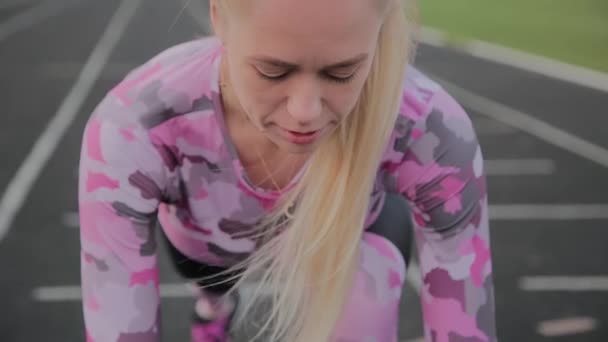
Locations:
(301, 138)
(302, 133)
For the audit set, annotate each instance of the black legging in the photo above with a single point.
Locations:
(209, 276)
(394, 223)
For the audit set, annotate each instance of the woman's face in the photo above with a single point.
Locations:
(297, 68)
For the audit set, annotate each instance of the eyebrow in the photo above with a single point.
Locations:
(282, 64)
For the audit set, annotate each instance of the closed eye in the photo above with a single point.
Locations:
(273, 69)
(340, 78)
(273, 77)
(334, 77)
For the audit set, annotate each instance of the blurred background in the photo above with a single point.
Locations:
(532, 75)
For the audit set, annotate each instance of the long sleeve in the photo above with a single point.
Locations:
(120, 182)
(442, 175)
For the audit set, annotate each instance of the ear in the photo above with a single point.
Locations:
(217, 21)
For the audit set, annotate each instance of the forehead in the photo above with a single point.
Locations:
(313, 14)
(326, 27)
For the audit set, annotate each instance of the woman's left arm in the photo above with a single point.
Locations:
(442, 175)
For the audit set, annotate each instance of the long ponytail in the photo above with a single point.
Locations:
(311, 239)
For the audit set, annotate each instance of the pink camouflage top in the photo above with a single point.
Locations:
(156, 150)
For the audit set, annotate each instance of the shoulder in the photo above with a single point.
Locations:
(422, 96)
(432, 128)
(427, 109)
(433, 137)
(134, 121)
(174, 82)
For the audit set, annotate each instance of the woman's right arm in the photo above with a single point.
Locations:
(121, 179)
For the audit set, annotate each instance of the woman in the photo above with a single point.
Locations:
(295, 147)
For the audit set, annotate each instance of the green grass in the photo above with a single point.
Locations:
(573, 31)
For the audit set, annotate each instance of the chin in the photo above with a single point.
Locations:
(292, 148)
(297, 149)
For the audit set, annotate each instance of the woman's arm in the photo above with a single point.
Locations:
(120, 182)
(442, 175)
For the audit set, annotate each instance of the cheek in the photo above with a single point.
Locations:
(342, 99)
(349, 95)
(254, 94)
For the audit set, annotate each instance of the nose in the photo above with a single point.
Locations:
(304, 104)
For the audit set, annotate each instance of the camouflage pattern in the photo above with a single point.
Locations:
(156, 149)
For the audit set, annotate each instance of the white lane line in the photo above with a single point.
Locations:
(413, 277)
(61, 294)
(68, 293)
(57, 293)
(182, 290)
(564, 283)
(521, 60)
(486, 126)
(32, 16)
(566, 326)
(169, 290)
(70, 220)
(199, 13)
(175, 291)
(21, 184)
(15, 3)
(556, 212)
(74, 293)
(527, 123)
(519, 167)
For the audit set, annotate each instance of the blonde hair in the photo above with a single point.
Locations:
(308, 253)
